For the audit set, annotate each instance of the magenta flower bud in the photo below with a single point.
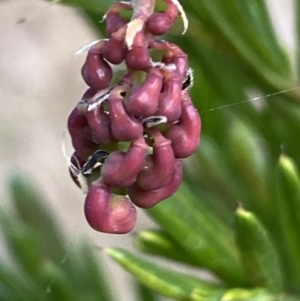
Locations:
(147, 199)
(114, 22)
(173, 55)
(160, 22)
(113, 19)
(120, 169)
(143, 100)
(138, 57)
(159, 167)
(114, 50)
(107, 213)
(185, 135)
(124, 127)
(96, 72)
(169, 103)
(81, 134)
(179, 59)
(100, 124)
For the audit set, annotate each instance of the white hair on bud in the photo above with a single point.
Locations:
(88, 47)
(183, 15)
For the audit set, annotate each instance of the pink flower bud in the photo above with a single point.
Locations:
(124, 127)
(120, 169)
(81, 134)
(160, 22)
(100, 124)
(114, 50)
(143, 100)
(185, 135)
(173, 55)
(147, 199)
(179, 59)
(113, 19)
(159, 167)
(107, 213)
(96, 72)
(138, 57)
(170, 98)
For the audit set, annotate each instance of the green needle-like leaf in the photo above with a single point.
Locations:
(158, 242)
(288, 206)
(200, 233)
(146, 294)
(258, 255)
(164, 281)
(32, 209)
(258, 294)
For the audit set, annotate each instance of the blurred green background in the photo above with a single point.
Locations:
(245, 56)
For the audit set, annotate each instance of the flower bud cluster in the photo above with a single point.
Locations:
(130, 133)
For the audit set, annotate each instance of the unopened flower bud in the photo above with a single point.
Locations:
(113, 19)
(100, 124)
(185, 135)
(173, 55)
(170, 98)
(124, 127)
(160, 22)
(107, 213)
(81, 134)
(159, 167)
(143, 100)
(120, 169)
(149, 198)
(138, 57)
(114, 50)
(96, 72)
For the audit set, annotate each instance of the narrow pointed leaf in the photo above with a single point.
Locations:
(162, 280)
(200, 233)
(258, 294)
(158, 242)
(146, 294)
(32, 209)
(288, 206)
(258, 255)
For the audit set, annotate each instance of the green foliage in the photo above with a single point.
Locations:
(254, 252)
(43, 267)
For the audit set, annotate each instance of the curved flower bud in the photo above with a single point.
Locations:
(147, 199)
(138, 57)
(173, 55)
(114, 50)
(107, 213)
(99, 122)
(120, 169)
(159, 167)
(96, 72)
(170, 98)
(143, 100)
(124, 127)
(113, 19)
(81, 134)
(185, 135)
(160, 22)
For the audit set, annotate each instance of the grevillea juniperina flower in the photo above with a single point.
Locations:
(130, 132)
